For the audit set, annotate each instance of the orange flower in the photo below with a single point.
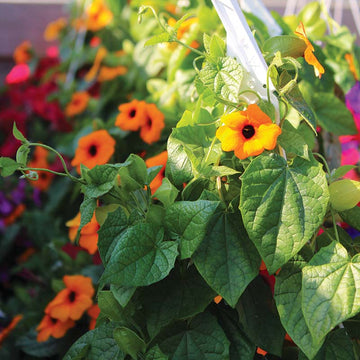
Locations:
(54, 28)
(23, 257)
(94, 149)
(98, 15)
(310, 58)
(39, 160)
(217, 299)
(10, 219)
(132, 115)
(74, 300)
(93, 312)
(107, 73)
(88, 234)
(350, 60)
(50, 326)
(261, 351)
(77, 104)
(185, 26)
(150, 132)
(22, 53)
(100, 55)
(4, 333)
(157, 160)
(248, 132)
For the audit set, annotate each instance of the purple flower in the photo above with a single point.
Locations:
(353, 99)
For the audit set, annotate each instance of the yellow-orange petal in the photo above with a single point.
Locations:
(80, 284)
(229, 138)
(252, 147)
(267, 135)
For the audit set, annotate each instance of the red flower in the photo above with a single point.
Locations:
(18, 74)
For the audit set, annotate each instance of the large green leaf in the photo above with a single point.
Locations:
(282, 206)
(226, 258)
(330, 289)
(288, 302)
(202, 338)
(187, 222)
(352, 217)
(100, 344)
(110, 233)
(155, 354)
(259, 317)
(223, 77)
(7, 166)
(140, 258)
(179, 296)
(129, 342)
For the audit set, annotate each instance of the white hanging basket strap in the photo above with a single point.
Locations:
(241, 44)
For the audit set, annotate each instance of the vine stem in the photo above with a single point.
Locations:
(210, 149)
(62, 162)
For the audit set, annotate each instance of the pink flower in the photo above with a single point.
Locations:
(19, 73)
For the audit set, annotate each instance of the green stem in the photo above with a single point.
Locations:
(324, 162)
(251, 92)
(62, 162)
(42, 169)
(210, 149)
(334, 224)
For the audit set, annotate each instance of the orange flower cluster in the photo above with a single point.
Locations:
(22, 53)
(39, 160)
(88, 234)
(54, 28)
(309, 57)
(78, 103)
(139, 115)
(94, 149)
(247, 133)
(157, 160)
(68, 306)
(97, 16)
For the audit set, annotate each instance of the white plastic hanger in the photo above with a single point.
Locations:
(241, 45)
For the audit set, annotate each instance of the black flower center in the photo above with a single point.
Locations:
(54, 321)
(132, 113)
(248, 131)
(93, 150)
(72, 296)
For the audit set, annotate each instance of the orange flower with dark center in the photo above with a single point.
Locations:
(22, 53)
(39, 160)
(4, 333)
(50, 326)
(309, 57)
(107, 73)
(74, 300)
(54, 28)
(88, 234)
(247, 133)
(98, 15)
(93, 312)
(94, 149)
(150, 131)
(157, 160)
(78, 103)
(132, 115)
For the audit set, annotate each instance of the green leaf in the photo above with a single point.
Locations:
(110, 233)
(129, 342)
(241, 347)
(87, 209)
(178, 168)
(179, 296)
(152, 172)
(288, 45)
(100, 180)
(292, 141)
(341, 171)
(22, 154)
(330, 289)
(186, 221)
(202, 338)
(332, 114)
(18, 135)
(109, 306)
(217, 47)
(259, 317)
(155, 354)
(140, 257)
(282, 206)
(220, 171)
(100, 344)
(226, 258)
(7, 166)
(157, 39)
(295, 98)
(122, 294)
(288, 302)
(352, 217)
(344, 194)
(166, 193)
(223, 78)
